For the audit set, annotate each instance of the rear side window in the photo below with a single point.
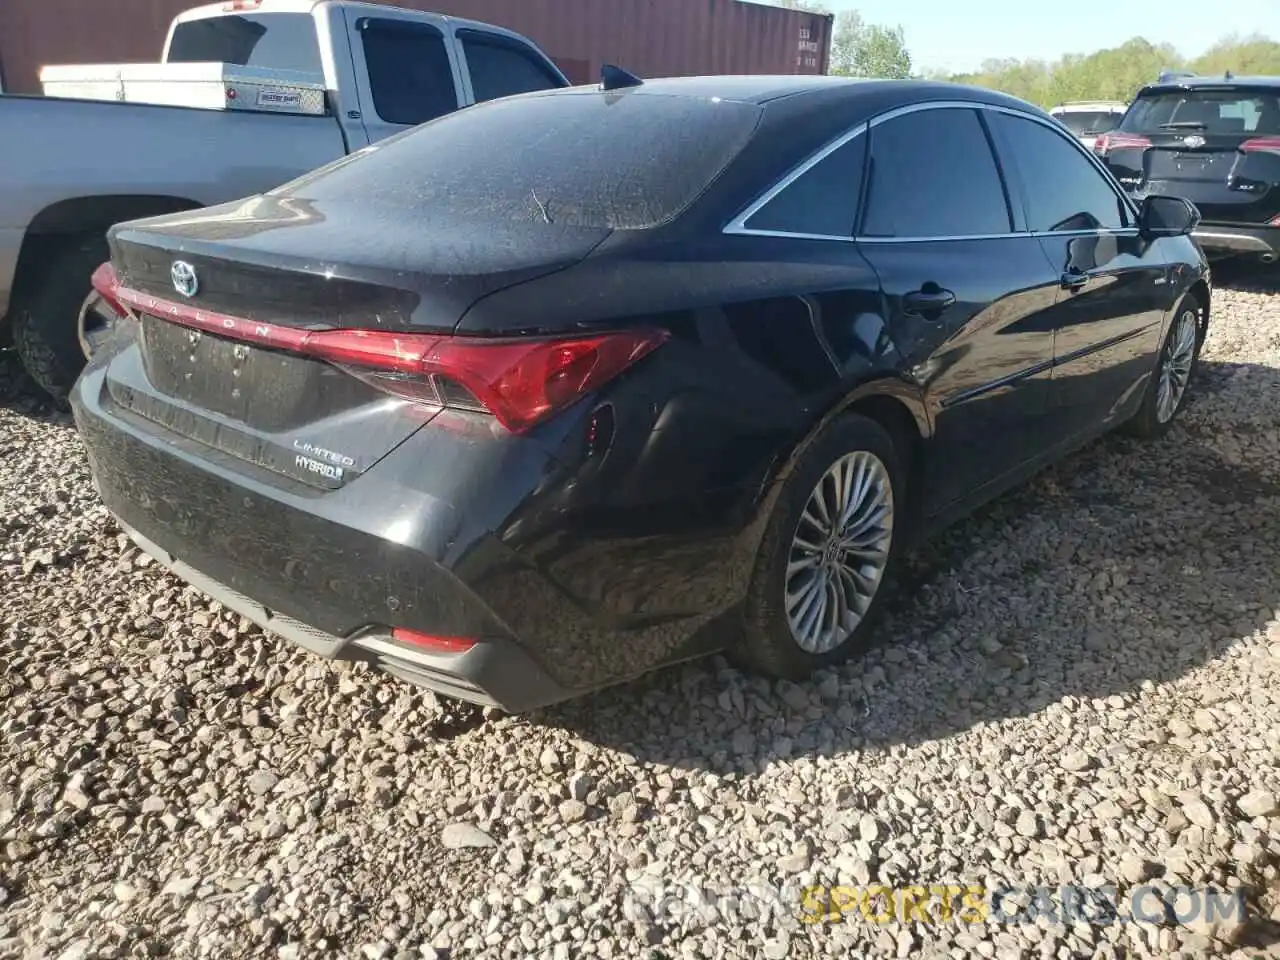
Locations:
(585, 159)
(823, 201)
(281, 41)
(1085, 123)
(409, 72)
(1221, 112)
(932, 174)
(1065, 191)
(503, 68)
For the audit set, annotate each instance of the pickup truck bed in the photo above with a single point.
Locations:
(209, 156)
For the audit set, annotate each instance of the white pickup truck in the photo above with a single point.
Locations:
(250, 95)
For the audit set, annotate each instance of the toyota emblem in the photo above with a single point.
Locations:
(184, 278)
(1194, 141)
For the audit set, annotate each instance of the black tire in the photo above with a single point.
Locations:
(45, 320)
(769, 645)
(1147, 422)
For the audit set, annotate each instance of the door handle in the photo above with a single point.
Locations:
(930, 298)
(1074, 280)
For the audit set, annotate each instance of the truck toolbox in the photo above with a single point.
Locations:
(209, 86)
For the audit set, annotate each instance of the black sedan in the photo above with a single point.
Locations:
(560, 388)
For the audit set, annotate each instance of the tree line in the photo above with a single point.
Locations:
(862, 49)
(1118, 73)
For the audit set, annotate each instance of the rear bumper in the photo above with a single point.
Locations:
(1222, 238)
(495, 672)
(312, 569)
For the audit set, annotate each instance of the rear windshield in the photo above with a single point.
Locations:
(1084, 122)
(1224, 112)
(281, 41)
(596, 160)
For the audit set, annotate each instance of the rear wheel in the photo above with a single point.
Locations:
(46, 320)
(1175, 365)
(828, 548)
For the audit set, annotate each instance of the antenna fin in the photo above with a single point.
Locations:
(615, 78)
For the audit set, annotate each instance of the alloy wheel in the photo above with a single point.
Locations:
(839, 552)
(1175, 366)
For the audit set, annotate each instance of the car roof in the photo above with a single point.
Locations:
(1219, 82)
(763, 89)
(756, 89)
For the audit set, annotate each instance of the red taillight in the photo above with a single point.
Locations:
(237, 6)
(1119, 141)
(105, 282)
(432, 642)
(521, 382)
(1261, 145)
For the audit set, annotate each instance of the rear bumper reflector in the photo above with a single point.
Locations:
(494, 673)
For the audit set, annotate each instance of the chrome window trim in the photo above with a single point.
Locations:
(1106, 232)
(737, 226)
(1013, 234)
(792, 236)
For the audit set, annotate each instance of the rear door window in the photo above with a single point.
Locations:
(410, 76)
(821, 202)
(932, 175)
(1065, 191)
(500, 67)
(1215, 112)
(280, 41)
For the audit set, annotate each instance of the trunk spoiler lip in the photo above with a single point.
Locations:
(259, 332)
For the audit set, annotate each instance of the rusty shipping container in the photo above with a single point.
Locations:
(654, 38)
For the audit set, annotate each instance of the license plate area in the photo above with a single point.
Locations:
(1188, 165)
(267, 390)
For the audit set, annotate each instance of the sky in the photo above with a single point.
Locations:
(958, 35)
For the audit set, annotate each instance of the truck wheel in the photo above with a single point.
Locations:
(46, 321)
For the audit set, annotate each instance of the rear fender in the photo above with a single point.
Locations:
(899, 405)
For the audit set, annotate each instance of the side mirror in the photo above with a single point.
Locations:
(1167, 217)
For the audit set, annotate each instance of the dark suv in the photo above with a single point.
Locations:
(1215, 141)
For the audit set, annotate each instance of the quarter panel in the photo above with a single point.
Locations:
(766, 336)
(205, 156)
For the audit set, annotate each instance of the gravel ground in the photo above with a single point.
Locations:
(1080, 685)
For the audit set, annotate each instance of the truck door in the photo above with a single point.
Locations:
(406, 72)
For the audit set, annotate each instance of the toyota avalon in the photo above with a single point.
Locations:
(561, 388)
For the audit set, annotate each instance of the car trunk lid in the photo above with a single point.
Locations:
(242, 321)
(1224, 175)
